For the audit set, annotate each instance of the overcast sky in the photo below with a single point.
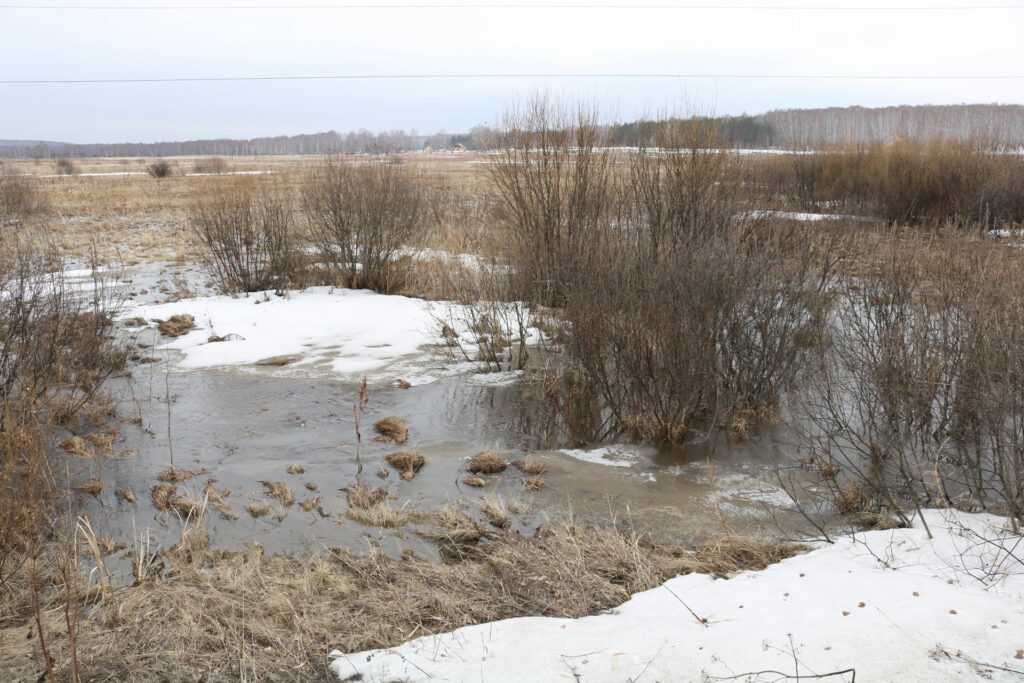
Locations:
(101, 44)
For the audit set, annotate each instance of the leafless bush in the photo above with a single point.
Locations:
(248, 234)
(683, 309)
(942, 183)
(55, 340)
(66, 167)
(211, 165)
(918, 401)
(554, 184)
(361, 217)
(160, 169)
(20, 198)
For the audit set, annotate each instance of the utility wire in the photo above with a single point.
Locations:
(524, 6)
(484, 76)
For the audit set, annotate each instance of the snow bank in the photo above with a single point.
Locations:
(349, 332)
(324, 331)
(893, 605)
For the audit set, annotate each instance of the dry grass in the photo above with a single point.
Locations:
(475, 481)
(408, 463)
(392, 430)
(296, 469)
(219, 612)
(126, 494)
(217, 499)
(258, 509)
(533, 483)
(529, 466)
(93, 487)
(177, 325)
(161, 495)
(279, 491)
(496, 511)
(369, 506)
(174, 475)
(310, 504)
(487, 462)
(77, 447)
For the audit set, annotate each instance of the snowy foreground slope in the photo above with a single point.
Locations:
(892, 605)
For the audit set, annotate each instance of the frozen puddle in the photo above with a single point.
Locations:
(883, 606)
(344, 332)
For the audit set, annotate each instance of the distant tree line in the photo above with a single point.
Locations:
(994, 125)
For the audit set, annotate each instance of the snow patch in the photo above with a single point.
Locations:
(893, 605)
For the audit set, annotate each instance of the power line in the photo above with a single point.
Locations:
(524, 6)
(484, 76)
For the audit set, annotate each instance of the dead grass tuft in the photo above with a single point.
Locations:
(406, 462)
(365, 497)
(296, 469)
(533, 483)
(530, 466)
(93, 487)
(174, 475)
(392, 430)
(77, 447)
(475, 481)
(258, 509)
(217, 498)
(126, 494)
(496, 511)
(310, 504)
(161, 495)
(177, 325)
(487, 462)
(279, 491)
(369, 506)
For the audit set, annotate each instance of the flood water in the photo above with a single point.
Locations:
(243, 426)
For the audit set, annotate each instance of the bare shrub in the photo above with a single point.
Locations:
(553, 183)
(67, 167)
(917, 402)
(682, 308)
(20, 199)
(943, 182)
(160, 169)
(211, 166)
(361, 217)
(248, 235)
(56, 342)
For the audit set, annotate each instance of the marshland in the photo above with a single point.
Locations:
(305, 417)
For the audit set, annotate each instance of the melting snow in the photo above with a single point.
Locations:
(892, 605)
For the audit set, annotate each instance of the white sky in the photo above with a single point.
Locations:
(79, 44)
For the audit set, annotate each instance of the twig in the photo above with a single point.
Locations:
(700, 620)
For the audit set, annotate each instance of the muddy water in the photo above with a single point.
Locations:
(240, 427)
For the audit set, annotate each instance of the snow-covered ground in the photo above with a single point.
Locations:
(343, 332)
(889, 605)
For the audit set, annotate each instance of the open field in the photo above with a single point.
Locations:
(382, 407)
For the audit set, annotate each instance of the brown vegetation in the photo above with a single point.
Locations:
(487, 462)
(361, 216)
(177, 325)
(408, 463)
(296, 609)
(392, 430)
(248, 235)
